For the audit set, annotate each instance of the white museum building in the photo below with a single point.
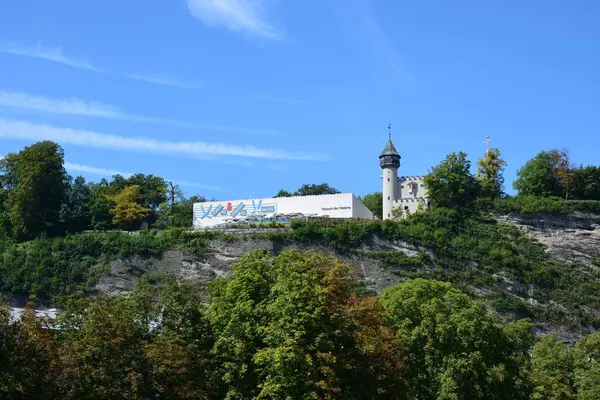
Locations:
(404, 193)
(219, 213)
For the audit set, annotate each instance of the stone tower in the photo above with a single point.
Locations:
(389, 160)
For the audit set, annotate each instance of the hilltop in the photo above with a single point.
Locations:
(545, 268)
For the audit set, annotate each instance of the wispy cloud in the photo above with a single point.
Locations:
(166, 80)
(95, 170)
(278, 168)
(59, 106)
(74, 106)
(111, 172)
(46, 53)
(55, 54)
(361, 22)
(31, 131)
(248, 16)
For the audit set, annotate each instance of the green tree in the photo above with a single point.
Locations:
(566, 172)
(587, 367)
(455, 349)
(587, 183)
(100, 205)
(128, 213)
(283, 193)
(315, 189)
(292, 327)
(179, 348)
(76, 210)
(102, 352)
(27, 352)
(374, 202)
(451, 184)
(553, 370)
(490, 170)
(153, 190)
(539, 176)
(34, 180)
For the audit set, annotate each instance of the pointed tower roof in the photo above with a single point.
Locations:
(389, 149)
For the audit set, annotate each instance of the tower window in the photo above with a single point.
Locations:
(388, 197)
(388, 215)
(388, 179)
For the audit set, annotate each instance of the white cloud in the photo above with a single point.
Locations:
(46, 53)
(30, 131)
(59, 106)
(85, 108)
(165, 80)
(237, 15)
(95, 170)
(56, 54)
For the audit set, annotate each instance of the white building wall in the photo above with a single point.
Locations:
(411, 192)
(390, 190)
(343, 205)
(410, 187)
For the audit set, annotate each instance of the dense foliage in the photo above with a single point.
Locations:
(551, 173)
(39, 199)
(312, 189)
(456, 349)
(451, 184)
(288, 326)
(473, 251)
(61, 266)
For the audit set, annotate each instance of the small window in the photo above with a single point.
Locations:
(388, 179)
(388, 215)
(388, 197)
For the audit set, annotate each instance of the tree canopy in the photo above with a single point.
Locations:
(450, 184)
(490, 176)
(312, 189)
(374, 202)
(35, 182)
(457, 350)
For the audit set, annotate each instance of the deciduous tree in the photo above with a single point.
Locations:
(456, 350)
(291, 327)
(76, 210)
(538, 177)
(315, 189)
(374, 202)
(490, 170)
(451, 184)
(127, 212)
(35, 182)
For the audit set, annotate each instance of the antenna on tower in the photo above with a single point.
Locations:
(390, 130)
(488, 141)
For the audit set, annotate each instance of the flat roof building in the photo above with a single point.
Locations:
(218, 213)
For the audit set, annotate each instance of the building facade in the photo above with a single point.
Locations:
(214, 214)
(402, 195)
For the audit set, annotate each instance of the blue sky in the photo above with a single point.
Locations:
(239, 98)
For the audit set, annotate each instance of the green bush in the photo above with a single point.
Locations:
(530, 205)
(65, 265)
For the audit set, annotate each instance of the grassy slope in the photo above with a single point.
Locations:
(474, 253)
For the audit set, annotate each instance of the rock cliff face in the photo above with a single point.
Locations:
(125, 272)
(573, 239)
